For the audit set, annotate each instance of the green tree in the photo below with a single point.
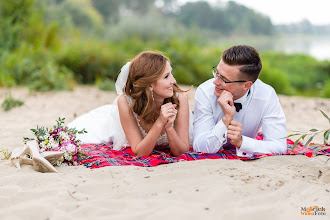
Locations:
(83, 14)
(109, 9)
(196, 13)
(246, 20)
(140, 7)
(233, 18)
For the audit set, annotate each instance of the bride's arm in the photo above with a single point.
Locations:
(178, 136)
(140, 146)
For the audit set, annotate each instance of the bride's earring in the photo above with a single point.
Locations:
(152, 95)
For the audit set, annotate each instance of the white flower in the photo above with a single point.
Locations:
(43, 145)
(52, 144)
(64, 135)
(51, 139)
(67, 156)
(59, 163)
(55, 145)
(44, 137)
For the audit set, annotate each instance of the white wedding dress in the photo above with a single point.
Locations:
(103, 123)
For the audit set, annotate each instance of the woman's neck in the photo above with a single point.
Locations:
(158, 104)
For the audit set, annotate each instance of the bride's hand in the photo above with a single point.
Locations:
(167, 114)
(170, 121)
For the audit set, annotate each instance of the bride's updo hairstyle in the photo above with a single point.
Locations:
(145, 69)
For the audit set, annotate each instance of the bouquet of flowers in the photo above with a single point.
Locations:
(60, 138)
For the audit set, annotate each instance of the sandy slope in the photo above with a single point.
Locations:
(268, 188)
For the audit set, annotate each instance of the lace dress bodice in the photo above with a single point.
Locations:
(162, 139)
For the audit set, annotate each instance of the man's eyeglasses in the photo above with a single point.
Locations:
(217, 75)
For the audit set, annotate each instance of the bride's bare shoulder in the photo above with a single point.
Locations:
(122, 101)
(182, 97)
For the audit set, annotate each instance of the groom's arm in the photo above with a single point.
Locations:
(273, 129)
(209, 136)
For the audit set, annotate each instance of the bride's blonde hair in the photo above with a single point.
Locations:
(145, 69)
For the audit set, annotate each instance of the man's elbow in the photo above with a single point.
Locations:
(196, 146)
(284, 148)
(204, 148)
(281, 147)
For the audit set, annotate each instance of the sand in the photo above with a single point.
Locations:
(269, 188)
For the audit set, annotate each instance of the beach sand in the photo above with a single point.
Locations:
(275, 187)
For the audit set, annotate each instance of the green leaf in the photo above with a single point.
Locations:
(313, 130)
(82, 131)
(325, 115)
(291, 135)
(302, 137)
(321, 148)
(25, 139)
(295, 144)
(326, 134)
(309, 140)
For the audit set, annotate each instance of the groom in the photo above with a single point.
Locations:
(231, 108)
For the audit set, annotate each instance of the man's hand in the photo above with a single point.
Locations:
(234, 133)
(226, 103)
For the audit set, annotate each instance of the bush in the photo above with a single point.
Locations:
(326, 89)
(14, 21)
(106, 85)
(276, 78)
(92, 60)
(303, 72)
(10, 103)
(192, 64)
(51, 77)
(28, 48)
(35, 68)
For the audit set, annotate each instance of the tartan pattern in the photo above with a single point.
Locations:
(101, 155)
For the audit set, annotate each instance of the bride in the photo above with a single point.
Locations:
(150, 112)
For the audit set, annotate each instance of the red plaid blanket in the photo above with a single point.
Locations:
(101, 155)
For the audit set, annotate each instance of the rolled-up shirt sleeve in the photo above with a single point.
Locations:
(209, 135)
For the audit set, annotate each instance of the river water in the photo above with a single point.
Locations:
(318, 47)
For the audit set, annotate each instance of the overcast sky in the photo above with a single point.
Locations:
(289, 11)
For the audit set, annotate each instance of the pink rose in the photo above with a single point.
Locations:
(70, 148)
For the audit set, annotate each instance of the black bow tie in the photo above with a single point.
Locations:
(238, 106)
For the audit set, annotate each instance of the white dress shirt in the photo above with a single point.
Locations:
(261, 108)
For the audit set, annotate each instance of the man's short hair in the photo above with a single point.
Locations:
(245, 56)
